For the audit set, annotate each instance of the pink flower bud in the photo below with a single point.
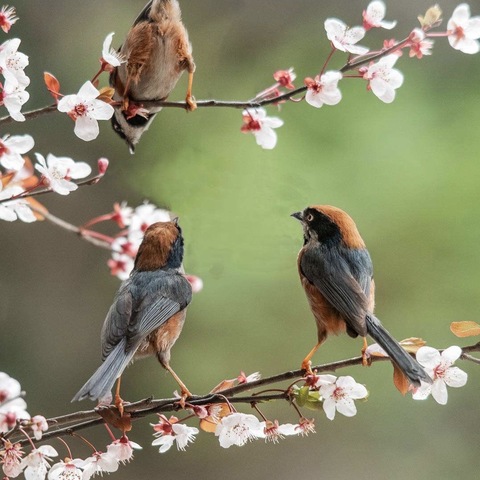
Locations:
(102, 165)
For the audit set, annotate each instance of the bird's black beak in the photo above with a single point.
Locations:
(175, 221)
(298, 216)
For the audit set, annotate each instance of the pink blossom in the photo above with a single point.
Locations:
(122, 449)
(15, 209)
(419, 44)
(12, 65)
(66, 470)
(374, 16)
(120, 265)
(11, 459)
(98, 463)
(238, 429)
(344, 38)
(7, 18)
(285, 78)
(110, 57)
(464, 30)
(57, 172)
(85, 110)
(12, 148)
(324, 90)
(38, 425)
(273, 431)
(383, 79)
(439, 367)
(36, 463)
(338, 394)
(13, 99)
(257, 122)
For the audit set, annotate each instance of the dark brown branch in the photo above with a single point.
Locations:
(360, 61)
(31, 114)
(66, 424)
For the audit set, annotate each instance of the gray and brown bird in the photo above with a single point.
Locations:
(147, 314)
(157, 51)
(336, 273)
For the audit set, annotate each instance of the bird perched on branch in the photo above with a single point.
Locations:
(337, 275)
(147, 314)
(157, 51)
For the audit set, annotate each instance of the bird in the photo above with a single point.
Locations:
(336, 273)
(147, 314)
(156, 52)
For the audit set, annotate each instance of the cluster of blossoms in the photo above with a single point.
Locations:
(438, 365)
(36, 465)
(376, 67)
(13, 94)
(18, 180)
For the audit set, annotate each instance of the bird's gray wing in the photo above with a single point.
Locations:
(328, 270)
(164, 294)
(116, 322)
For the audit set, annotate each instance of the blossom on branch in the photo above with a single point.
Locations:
(383, 79)
(12, 406)
(238, 429)
(12, 65)
(323, 90)
(38, 425)
(439, 367)
(36, 463)
(66, 470)
(373, 16)
(344, 38)
(11, 459)
(122, 449)
(57, 172)
(179, 433)
(7, 18)
(11, 150)
(98, 463)
(285, 78)
(110, 57)
(419, 44)
(256, 121)
(85, 109)
(463, 30)
(13, 101)
(339, 394)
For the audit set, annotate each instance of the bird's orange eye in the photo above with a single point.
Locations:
(309, 217)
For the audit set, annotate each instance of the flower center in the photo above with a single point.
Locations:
(80, 109)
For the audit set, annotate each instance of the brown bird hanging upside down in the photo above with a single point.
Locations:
(147, 314)
(337, 275)
(157, 51)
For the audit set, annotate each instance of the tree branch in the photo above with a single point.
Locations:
(66, 424)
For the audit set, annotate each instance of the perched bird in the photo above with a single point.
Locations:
(157, 51)
(147, 314)
(337, 275)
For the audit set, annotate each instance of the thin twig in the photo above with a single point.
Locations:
(66, 424)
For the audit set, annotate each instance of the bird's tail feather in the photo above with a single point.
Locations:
(405, 362)
(102, 381)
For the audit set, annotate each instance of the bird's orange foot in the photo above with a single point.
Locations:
(191, 103)
(183, 399)
(366, 360)
(307, 366)
(119, 404)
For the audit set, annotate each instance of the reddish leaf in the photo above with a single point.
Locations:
(400, 380)
(53, 85)
(465, 329)
(113, 418)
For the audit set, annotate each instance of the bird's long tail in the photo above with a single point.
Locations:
(102, 381)
(405, 362)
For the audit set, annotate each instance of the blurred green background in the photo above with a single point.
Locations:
(408, 173)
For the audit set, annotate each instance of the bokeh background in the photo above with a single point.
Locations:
(408, 173)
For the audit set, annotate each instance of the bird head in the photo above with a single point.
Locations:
(162, 247)
(329, 225)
